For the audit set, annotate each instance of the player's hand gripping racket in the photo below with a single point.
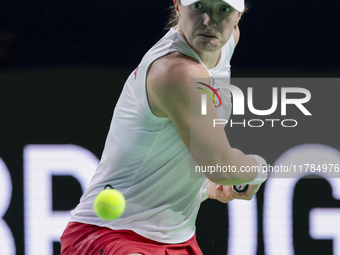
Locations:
(241, 188)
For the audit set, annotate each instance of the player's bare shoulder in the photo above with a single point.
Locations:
(169, 77)
(174, 67)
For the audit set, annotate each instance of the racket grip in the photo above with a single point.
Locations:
(241, 188)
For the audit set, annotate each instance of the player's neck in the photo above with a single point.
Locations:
(210, 59)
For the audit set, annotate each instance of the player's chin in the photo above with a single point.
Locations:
(208, 46)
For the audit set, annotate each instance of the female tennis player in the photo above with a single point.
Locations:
(157, 128)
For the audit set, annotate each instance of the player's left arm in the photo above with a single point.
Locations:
(225, 194)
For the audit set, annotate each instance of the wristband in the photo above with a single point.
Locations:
(262, 170)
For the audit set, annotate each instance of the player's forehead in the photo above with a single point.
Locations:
(235, 4)
(213, 2)
(195, 1)
(189, 2)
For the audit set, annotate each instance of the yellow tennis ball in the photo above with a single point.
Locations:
(109, 204)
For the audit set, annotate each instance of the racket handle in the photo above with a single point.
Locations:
(241, 188)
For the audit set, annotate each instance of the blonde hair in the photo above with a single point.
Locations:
(173, 18)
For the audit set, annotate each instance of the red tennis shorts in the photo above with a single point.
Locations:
(84, 239)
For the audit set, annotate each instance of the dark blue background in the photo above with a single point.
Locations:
(293, 34)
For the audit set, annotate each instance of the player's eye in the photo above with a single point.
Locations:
(225, 9)
(197, 6)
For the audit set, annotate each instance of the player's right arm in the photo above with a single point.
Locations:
(168, 89)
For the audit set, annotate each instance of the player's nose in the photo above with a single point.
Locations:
(209, 21)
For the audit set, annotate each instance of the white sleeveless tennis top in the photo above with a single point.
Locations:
(145, 158)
